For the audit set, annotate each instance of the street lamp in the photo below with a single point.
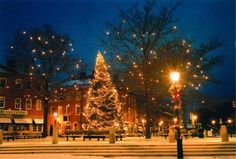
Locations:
(213, 122)
(229, 121)
(175, 93)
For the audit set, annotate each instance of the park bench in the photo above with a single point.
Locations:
(164, 135)
(119, 134)
(98, 134)
(72, 134)
(10, 135)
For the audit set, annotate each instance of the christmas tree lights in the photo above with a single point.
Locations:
(103, 107)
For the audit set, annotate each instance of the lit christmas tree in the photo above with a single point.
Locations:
(103, 108)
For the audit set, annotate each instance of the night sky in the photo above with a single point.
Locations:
(83, 21)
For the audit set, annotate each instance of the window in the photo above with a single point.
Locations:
(60, 96)
(2, 101)
(29, 84)
(53, 110)
(40, 128)
(78, 95)
(34, 128)
(28, 104)
(65, 118)
(77, 109)
(18, 103)
(68, 97)
(39, 86)
(18, 83)
(38, 104)
(67, 109)
(3, 82)
(59, 109)
(4, 127)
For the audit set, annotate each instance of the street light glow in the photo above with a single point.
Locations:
(174, 76)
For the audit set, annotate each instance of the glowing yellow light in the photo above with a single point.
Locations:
(229, 121)
(175, 120)
(39, 38)
(174, 76)
(194, 117)
(213, 122)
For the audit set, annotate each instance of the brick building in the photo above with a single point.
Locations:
(70, 101)
(21, 110)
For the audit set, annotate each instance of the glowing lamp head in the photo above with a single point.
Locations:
(195, 117)
(229, 121)
(213, 122)
(174, 76)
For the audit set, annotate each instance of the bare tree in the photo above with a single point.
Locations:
(47, 57)
(144, 46)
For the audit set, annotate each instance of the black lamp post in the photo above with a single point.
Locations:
(175, 92)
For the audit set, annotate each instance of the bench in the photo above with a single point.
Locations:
(94, 136)
(164, 135)
(8, 136)
(72, 136)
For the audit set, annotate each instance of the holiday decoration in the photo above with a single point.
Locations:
(103, 109)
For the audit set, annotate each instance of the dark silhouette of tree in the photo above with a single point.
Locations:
(144, 46)
(46, 57)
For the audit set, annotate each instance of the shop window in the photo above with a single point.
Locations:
(3, 82)
(28, 104)
(38, 104)
(40, 128)
(18, 83)
(21, 127)
(18, 103)
(34, 128)
(29, 84)
(4, 127)
(78, 95)
(77, 109)
(2, 101)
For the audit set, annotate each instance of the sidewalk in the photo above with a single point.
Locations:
(126, 141)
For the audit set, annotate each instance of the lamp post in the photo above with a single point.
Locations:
(229, 122)
(213, 122)
(143, 122)
(175, 93)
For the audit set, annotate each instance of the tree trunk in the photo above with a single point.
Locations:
(148, 119)
(45, 118)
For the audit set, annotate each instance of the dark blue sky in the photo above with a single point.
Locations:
(83, 21)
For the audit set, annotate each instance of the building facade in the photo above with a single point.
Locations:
(21, 110)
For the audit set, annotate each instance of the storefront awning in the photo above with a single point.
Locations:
(5, 120)
(38, 121)
(23, 121)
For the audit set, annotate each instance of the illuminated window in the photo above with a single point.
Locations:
(77, 109)
(28, 104)
(2, 101)
(67, 109)
(18, 83)
(53, 110)
(3, 82)
(38, 104)
(18, 103)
